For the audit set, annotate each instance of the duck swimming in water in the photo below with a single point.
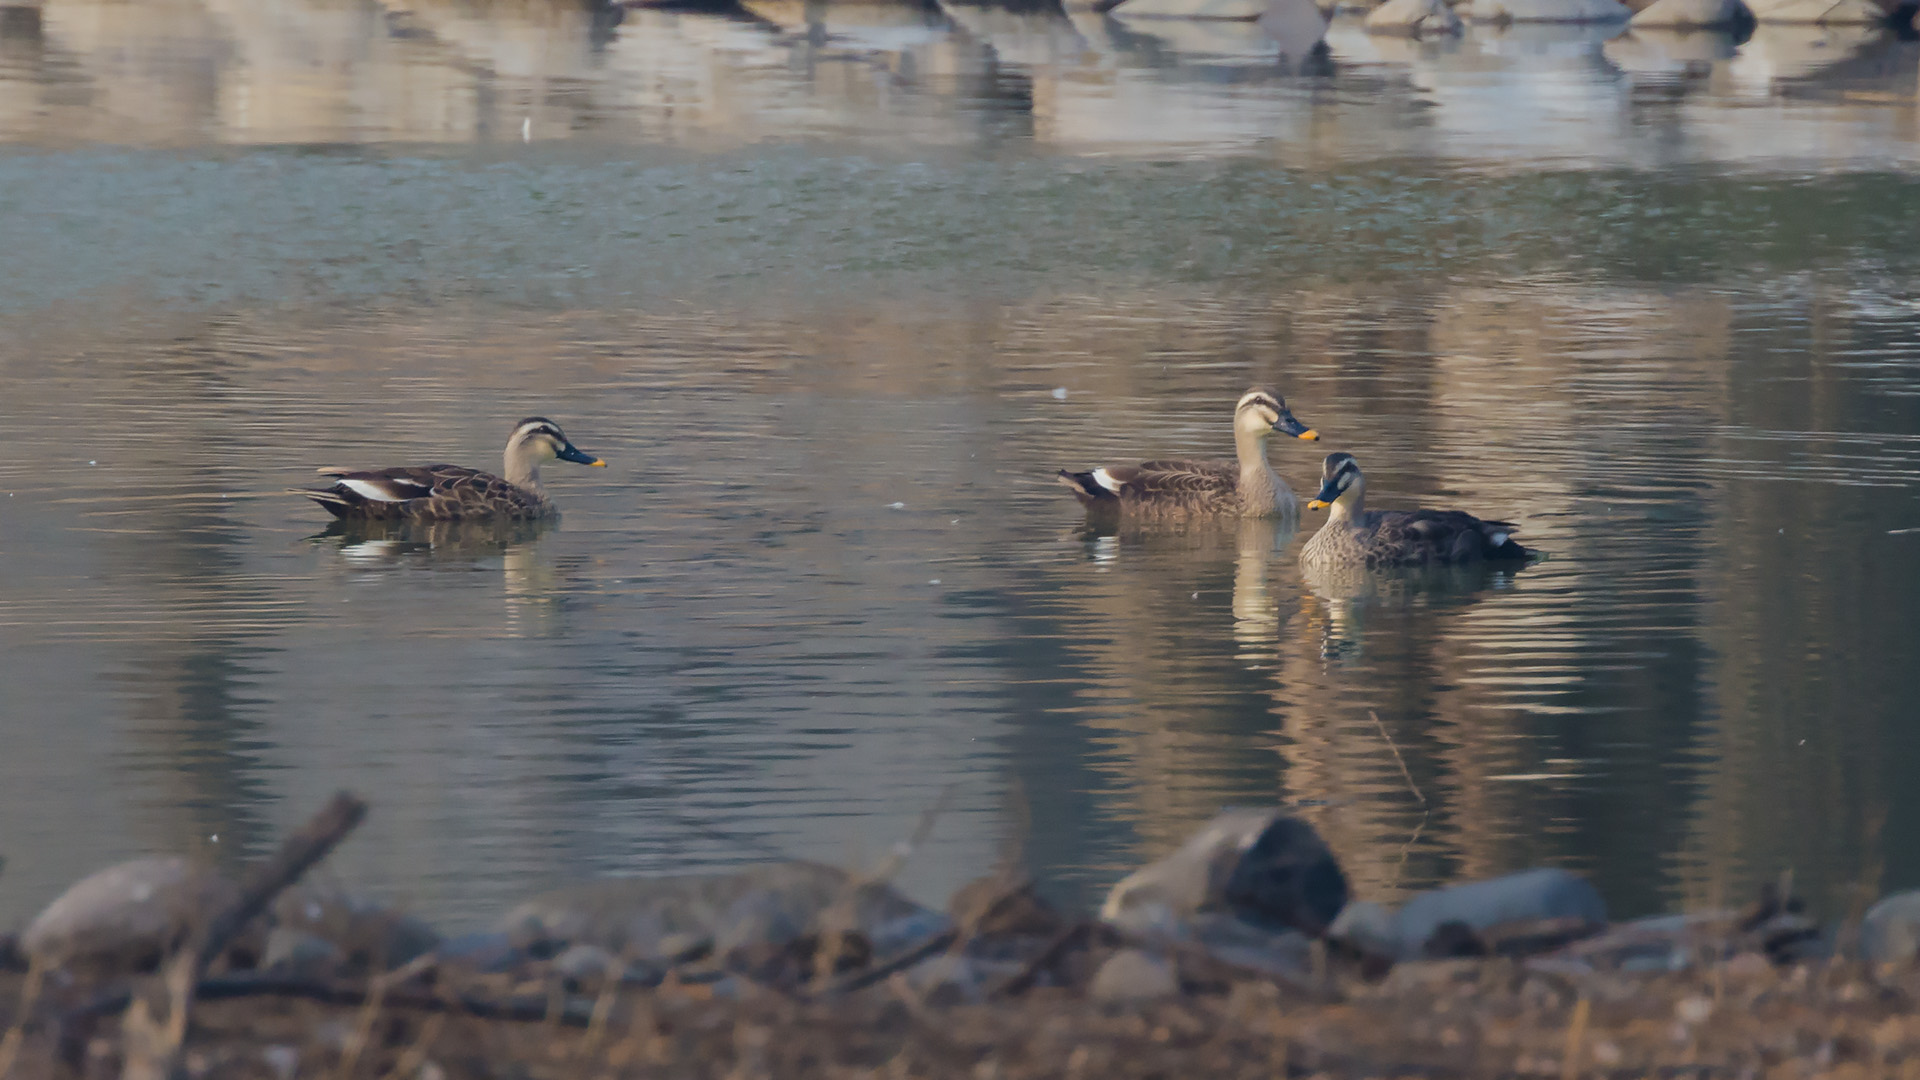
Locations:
(1356, 536)
(454, 492)
(1247, 487)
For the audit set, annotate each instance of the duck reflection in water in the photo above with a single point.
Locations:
(1350, 594)
(528, 573)
(1256, 543)
(374, 544)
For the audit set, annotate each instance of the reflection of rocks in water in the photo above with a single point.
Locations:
(1351, 592)
(1782, 53)
(1659, 55)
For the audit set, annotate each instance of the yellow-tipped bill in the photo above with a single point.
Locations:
(598, 463)
(1310, 435)
(1318, 504)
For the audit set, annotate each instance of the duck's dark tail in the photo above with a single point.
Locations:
(1501, 545)
(1086, 488)
(336, 504)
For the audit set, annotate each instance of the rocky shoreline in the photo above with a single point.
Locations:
(1240, 954)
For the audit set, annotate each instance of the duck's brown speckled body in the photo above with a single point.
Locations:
(454, 492)
(1246, 487)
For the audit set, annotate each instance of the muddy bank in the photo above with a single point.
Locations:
(1240, 954)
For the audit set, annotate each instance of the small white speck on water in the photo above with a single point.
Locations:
(896, 506)
(1803, 742)
(93, 463)
(933, 581)
(1196, 596)
(955, 521)
(214, 839)
(1059, 393)
(526, 129)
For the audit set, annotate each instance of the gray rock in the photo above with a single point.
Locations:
(127, 916)
(586, 963)
(948, 979)
(1367, 927)
(1544, 893)
(490, 951)
(368, 935)
(296, 950)
(645, 918)
(1132, 975)
(1417, 18)
(1260, 865)
(1689, 14)
(1281, 953)
(1890, 930)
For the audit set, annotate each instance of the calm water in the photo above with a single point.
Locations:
(834, 300)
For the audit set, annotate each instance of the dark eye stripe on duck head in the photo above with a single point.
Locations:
(1262, 397)
(537, 425)
(1338, 465)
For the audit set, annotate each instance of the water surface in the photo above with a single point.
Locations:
(834, 305)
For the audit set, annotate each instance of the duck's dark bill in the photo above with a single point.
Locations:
(572, 453)
(1288, 425)
(1328, 493)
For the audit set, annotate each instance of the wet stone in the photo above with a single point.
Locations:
(1263, 866)
(657, 918)
(1544, 893)
(490, 951)
(1133, 975)
(127, 916)
(298, 951)
(367, 935)
(1890, 930)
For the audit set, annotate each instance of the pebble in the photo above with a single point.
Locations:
(1133, 975)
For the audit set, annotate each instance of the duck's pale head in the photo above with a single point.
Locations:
(1262, 412)
(537, 439)
(1340, 482)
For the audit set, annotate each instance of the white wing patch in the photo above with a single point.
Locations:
(375, 492)
(1105, 479)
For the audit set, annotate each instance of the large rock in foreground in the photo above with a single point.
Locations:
(659, 918)
(1261, 866)
(1530, 895)
(1890, 930)
(128, 916)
